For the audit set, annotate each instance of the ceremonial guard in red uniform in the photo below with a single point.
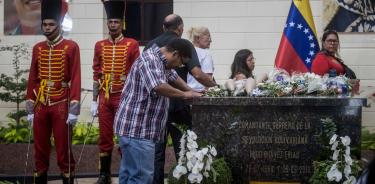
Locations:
(53, 93)
(113, 59)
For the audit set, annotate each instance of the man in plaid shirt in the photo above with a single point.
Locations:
(142, 114)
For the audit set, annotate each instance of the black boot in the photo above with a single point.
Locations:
(67, 178)
(105, 169)
(40, 178)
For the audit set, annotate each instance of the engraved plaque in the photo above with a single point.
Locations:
(272, 139)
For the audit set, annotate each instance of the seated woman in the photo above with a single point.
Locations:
(242, 78)
(327, 61)
(201, 39)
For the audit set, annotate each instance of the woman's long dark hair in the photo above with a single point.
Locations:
(239, 64)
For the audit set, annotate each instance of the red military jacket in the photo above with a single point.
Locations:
(112, 62)
(55, 73)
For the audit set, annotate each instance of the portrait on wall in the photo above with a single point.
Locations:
(349, 15)
(22, 17)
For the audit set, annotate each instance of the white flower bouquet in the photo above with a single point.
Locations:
(279, 84)
(340, 168)
(197, 165)
(216, 91)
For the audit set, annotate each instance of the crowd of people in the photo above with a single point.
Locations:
(138, 97)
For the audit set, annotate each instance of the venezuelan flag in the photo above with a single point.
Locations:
(298, 45)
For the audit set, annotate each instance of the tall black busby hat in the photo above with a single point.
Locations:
(54, 9)
(115, 9)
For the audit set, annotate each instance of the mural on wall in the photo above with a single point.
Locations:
(349, 15)
(22, 17)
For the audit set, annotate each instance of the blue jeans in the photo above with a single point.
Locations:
(183, 117)
(137, 161)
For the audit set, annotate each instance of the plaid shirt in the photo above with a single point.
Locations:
(142, 113)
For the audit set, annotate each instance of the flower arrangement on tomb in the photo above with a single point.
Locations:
(216, 91)
(280, 84)
(198, 165)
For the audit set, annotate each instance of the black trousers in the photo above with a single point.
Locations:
(182, 117)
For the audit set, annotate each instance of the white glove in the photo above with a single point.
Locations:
(94, 108)
(30, 118)
(72, 119)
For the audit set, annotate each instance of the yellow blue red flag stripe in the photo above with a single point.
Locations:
(299, 44)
